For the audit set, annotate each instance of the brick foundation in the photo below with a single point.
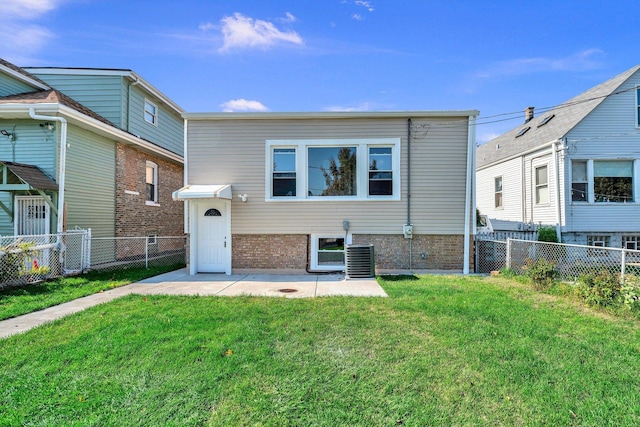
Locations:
(133, 216)
(261, 251)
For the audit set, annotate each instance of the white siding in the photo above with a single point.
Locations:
(512, 205)
(233, 152)
(609, 132)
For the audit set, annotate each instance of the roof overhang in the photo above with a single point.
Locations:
(189, 192)
(330, 115)
(17, 111)
(24, 177)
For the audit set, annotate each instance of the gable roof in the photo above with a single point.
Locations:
(565, 117)
(22, 75)
(52, 96)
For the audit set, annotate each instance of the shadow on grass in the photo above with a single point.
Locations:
(399, 277)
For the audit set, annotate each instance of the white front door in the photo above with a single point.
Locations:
(212, 234)
(32, 216)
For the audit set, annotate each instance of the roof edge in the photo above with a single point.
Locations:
(329, 115)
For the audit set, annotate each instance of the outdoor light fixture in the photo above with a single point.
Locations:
(47, 125)
(10, 135)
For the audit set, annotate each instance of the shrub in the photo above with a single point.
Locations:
(542, 273)
(547, 234)
(601, 289)
(630, 292)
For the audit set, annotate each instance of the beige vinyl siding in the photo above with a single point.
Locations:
(90, 182)
(233, 152)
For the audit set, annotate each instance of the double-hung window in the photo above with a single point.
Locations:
(284, 172)
(579, 181)
(542, 185)
(333, 169)
(497, 188)
(150, 112)
(151, 183)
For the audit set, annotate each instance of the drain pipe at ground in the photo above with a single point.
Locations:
(61, 168)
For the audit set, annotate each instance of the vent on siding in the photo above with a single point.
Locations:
(359, 261)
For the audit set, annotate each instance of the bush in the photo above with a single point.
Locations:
(601, 289)
(542, 272)
(630, 292)
(547, 234)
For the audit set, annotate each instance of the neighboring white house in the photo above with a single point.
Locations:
(288, 191)
(575, 167)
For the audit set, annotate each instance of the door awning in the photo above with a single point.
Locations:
(20, 176)
(203, 192)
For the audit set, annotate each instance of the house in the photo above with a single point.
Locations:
(575, 167)
(88, 148)
(288, 191)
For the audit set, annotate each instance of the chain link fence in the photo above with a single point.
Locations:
(570, 261)
(114, 253)
(31, 259)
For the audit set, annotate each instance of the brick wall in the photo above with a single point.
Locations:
(269, 251)
(442, 252)
(133, 216)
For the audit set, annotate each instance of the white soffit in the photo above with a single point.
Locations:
(203, 192)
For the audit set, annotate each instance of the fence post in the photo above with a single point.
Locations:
(508, 262)
(146, 252)
(624, 265)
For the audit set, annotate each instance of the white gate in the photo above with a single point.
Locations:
(32, 216)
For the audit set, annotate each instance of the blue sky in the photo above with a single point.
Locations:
(328, 55)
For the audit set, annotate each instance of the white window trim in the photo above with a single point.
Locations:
(144, 113)
(362, 179)
(588, 181)
(314, 251)
(536, 186)
(501, 207)
(153, 202)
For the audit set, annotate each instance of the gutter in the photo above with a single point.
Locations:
(554, 150)
(62, 163)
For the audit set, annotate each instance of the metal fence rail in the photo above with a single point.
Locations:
(570, 261)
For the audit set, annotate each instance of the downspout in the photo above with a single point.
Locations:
(409, 124)
(62, 162)
(468, 193)
(409, 171)
(554, 148)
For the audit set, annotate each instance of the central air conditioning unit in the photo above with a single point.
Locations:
(359, 262)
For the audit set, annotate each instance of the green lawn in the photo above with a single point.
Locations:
(440, 351)
(18, 301)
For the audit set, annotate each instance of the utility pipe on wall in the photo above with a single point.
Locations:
(468, 213)
(62, 162)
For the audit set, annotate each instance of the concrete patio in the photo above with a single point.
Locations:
(179, 282)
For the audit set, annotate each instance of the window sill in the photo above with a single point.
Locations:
(148, 203)
(334, 199)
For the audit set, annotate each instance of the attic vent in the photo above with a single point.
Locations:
(523, 131)
(546, 120)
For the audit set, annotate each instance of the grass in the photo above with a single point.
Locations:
(462, 351)
(26, 299)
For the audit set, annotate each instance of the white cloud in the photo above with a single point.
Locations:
(242, 105)
(365, 4)
(288, 18)
(588, 59)
(207, 27)
(240, 32)
(364, 106)
(357, 17)
(20, 35)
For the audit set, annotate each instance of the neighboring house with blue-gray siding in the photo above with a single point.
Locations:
(95, 132)
(575, 167)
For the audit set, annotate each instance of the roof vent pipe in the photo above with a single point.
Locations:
(528, 114)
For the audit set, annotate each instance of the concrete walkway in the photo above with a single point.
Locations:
(180, 283)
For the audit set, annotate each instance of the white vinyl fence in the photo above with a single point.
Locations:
(33, 258)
